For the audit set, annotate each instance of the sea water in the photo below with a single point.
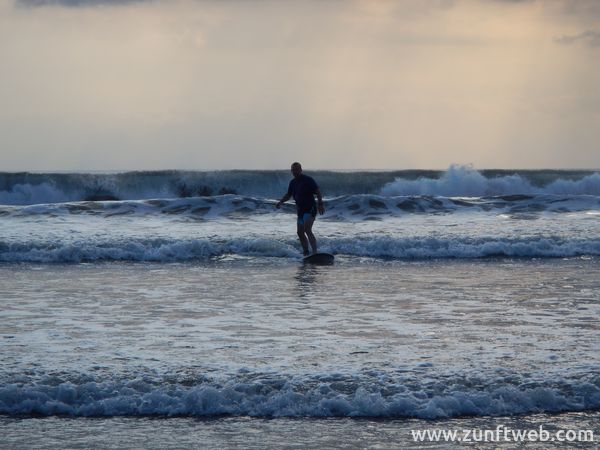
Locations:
(162, 318)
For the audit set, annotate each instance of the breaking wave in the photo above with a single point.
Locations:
(462, 181)
(369, 394)
(350, 207)
(387, 247)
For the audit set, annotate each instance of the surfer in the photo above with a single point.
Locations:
(304, 188)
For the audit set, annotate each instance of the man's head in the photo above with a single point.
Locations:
(296, 169)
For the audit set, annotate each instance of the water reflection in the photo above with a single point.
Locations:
(308, 278)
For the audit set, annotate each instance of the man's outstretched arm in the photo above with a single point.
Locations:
(284, 199)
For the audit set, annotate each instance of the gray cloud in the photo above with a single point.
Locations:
(589, 37)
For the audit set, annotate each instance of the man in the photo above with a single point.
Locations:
(303, 188)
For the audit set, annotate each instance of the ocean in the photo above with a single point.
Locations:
(171, 309)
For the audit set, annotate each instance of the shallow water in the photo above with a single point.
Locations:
(253, 336)
(286, 433)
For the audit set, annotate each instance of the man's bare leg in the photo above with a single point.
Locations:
(303, 240)
(308, 223)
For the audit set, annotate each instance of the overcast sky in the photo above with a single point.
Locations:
(190, 84)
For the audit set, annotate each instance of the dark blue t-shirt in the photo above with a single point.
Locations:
(303, 190)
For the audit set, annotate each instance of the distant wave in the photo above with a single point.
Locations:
(378, 394)
(172, 250)
(458, 181)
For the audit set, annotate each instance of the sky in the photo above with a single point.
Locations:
(246, 84)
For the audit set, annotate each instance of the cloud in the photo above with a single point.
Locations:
(420, 4)
(589, 37)
(209, 84)
(75, 3)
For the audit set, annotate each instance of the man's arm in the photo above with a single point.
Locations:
(320, 206)
(284, 199)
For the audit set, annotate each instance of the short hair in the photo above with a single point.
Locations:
(297, 164)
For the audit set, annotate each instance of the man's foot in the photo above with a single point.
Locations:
(306, 252)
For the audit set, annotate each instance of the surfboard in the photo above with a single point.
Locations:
(319, 258)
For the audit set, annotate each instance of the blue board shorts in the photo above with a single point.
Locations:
(304, 215)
